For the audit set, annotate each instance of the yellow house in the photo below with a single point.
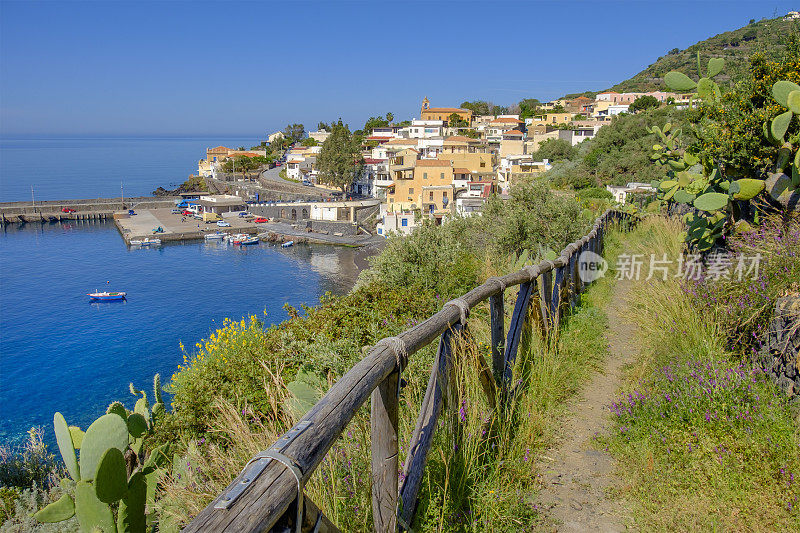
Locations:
(475, 162)
(443, 113)
(427, 187)
(558, 118)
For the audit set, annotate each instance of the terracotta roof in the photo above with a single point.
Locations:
(459, 139)
(373, 161)
(218, 149)
(433, 163)
(245, 154)
(506, 120)
(403, 141)
(462, 171)
(583, 99)
(513, 132)
(446, 110)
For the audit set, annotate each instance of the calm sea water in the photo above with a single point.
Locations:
(59, 352)
(61, 169)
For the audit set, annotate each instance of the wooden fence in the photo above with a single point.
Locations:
(268, 494)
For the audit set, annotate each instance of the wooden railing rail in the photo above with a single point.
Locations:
(265, 495)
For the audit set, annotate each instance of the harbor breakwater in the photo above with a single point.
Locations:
(85, 209)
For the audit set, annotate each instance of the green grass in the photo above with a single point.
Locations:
(480, 474)
(703, 441)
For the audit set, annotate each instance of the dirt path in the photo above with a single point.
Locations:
(575, 476)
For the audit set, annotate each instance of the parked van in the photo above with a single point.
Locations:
(208, 218)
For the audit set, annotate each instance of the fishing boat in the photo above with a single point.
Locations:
(218, 236)
(248, 241)
(106, 296)
(145, 242)
(287, 244)
(238, 238)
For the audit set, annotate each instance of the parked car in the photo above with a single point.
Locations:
(223, 224)
(260, 220)
(186, 213)
(244, 214)
(176, 211)
(278, 163)
(67, 210)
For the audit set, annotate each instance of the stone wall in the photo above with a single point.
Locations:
(779, 353)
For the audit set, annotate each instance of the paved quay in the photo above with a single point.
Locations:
(179, 228)
(176, 227)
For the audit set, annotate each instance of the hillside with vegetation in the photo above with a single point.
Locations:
(735, 47)
(703, 437)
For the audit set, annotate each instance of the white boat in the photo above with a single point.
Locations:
(150, 242)
(287, 244)
(218, 236)
(135, 243)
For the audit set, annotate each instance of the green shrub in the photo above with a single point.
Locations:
(29, 463)
(594, 192)
(532, 218)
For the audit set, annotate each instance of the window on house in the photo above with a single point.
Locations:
(411, 190)
(444, 194)
(424, 175)
(483, 164)
(441, 176)
(430, 196)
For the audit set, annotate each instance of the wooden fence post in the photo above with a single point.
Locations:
(422, 438)
(546, 297)
(574, 277)
(497, 312)
(383, 433)
(555, 303)
(515, 333)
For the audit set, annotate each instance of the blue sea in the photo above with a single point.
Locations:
(59, 352)
(73, 168)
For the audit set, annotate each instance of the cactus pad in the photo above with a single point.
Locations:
(111, 477)
(77, 436)
(108, 431)
(91, 512)
(711, 201)
(61, 509)
(118, 409)
(131, 515)
(65, 446)
(137, 425)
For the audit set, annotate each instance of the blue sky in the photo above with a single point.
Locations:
(245, 68)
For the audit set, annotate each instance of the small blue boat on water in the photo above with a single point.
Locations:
(106, 296)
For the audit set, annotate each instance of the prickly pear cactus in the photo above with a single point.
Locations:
(114, 478)
(716, 199)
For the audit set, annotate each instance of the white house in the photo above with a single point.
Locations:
(320, 135)
(580, 131)
(421, 129)
(396, 222)
(621, 193)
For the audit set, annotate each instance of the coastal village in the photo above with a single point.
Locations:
(580, 314)
(448, 161)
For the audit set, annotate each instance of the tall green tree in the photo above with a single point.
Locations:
(340, 162)
(294, 132)
(455, 121)
(528, 107)
(643, 102)
(479, 107)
